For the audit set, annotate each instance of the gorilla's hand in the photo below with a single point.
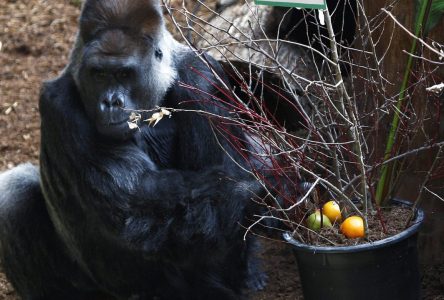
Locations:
(200, 207)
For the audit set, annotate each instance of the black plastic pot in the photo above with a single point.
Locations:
(386, 269)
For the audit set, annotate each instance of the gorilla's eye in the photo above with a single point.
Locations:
(98, 74)
(158, 53)
(124, 74)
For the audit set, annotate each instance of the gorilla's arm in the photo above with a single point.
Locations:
(120, 192)
(188, 208)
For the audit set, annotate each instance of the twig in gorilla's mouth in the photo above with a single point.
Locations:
(157, 116)
(135, 117)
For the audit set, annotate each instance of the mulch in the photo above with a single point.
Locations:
(35, 41)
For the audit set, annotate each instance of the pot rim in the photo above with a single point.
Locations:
(362, 247)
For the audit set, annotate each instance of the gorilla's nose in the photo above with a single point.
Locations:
(113, 101)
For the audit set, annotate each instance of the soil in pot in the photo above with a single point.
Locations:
(394, 220)
(359, 268)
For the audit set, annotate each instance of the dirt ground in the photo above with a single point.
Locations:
(35, 41)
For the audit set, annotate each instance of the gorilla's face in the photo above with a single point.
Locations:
(119, 73)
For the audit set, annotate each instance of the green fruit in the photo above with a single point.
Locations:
(314, 221)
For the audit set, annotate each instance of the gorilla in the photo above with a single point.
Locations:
(115, 212)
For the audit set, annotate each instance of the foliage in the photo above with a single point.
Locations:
(325, 117)
(435, 15)
(388, 170)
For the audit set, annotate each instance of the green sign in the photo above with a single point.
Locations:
(318, 4)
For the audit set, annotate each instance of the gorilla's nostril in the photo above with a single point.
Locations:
(107, 102)
(114, 101)
(117, 101)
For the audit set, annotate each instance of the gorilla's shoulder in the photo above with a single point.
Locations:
(192, 65)
(57, 92)
(58, 87)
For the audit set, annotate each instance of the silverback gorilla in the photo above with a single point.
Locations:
(120, 213)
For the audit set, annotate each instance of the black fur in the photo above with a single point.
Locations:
(150, 214)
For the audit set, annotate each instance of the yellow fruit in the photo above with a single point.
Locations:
(332, 210)
(353, 227)
(314, 221)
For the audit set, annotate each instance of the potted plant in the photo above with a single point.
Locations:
(342, 102)
(382, 269)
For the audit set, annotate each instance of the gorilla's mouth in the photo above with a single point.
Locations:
(116, 123)
(116, 130)
(112, 119)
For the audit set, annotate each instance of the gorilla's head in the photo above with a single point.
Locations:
(122, 61)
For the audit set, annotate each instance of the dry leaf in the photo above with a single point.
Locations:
(134, 118)
(132, 125)
(165, 112)
(156, 117)
(437, 88)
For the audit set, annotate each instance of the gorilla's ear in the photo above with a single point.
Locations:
(140, 17)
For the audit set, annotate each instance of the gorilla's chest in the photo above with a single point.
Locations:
(160, 143)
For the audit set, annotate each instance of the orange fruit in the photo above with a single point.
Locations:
(332, 210)
(353, 227)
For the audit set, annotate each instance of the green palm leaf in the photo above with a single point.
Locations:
(435, 15)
